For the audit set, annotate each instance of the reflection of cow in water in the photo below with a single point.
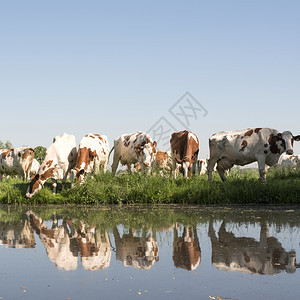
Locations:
(94, 248)
(138, 252)
(186, 249)
(242, 254)
(64, 243)
(17, 235)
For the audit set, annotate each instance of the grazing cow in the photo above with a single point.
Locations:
(59, 160)
(242, 147)
(289, 161)
(92, 154)
(16, 161)
(162, 162)
(202, 166)
(133, 148)
(246, 255)
(34, 168)
(186, 249)
(138, 252)
(184, 151)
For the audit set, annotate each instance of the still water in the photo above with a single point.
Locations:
(148, 252)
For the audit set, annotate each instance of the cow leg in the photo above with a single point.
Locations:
(54, 185)
(104, 167)
(210, 167)
(194, 167)
(96, 169)
(261, 161)
(174, 168)
(115, 163)
(223, 165)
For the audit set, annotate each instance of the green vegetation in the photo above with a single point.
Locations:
(40, 153)
(242, 187)
(6, 145)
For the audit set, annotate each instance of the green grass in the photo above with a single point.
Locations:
(242, 187)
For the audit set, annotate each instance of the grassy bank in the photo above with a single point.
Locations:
(242, 187)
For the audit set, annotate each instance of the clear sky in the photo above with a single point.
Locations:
(114, 67)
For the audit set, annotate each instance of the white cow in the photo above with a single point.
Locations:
(59, 160)
(16, 161)
(242, 147)
(289, 161)
(133, 148)
(92, 154)
(34, 168)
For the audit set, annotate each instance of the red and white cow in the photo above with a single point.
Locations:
(138, 252)
(59, 160)
(242, 147)
(132, 148)
(202, 166)
(289, 161)
(184, 151)
(34, 168)
(16, 161)
(265, 256)
(162, 163)
(92, 155)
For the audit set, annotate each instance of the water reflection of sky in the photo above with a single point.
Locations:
(194, 255)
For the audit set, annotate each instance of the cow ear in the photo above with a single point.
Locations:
(37, 176)
(297, 138)
(154, 144)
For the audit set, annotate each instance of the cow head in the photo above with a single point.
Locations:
(77, 175)
(146, 153)
(34, 186)
(288, 139)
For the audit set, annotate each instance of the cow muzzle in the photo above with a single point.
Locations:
(146, 164)
(289, 152)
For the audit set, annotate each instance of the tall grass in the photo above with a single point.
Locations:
(242, 187)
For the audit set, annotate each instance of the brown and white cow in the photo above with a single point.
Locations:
(162, 163)
(56, 240)
(242, 147)
(132, 148)
(34, 168)
(202, 166)
(247, 255)
(184, 151)
(92, 155)
(17, 234)
(59, 160)
(186, 249)
(289, 161)
(138, 252)
(16, 161)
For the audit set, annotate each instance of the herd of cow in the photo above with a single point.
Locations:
(138, 150)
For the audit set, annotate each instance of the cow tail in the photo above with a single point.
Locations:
(110, 152)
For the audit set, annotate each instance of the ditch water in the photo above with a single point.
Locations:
(147, 252)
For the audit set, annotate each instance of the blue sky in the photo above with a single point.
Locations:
(114, 67)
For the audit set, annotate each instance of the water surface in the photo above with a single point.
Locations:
(149, 252)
